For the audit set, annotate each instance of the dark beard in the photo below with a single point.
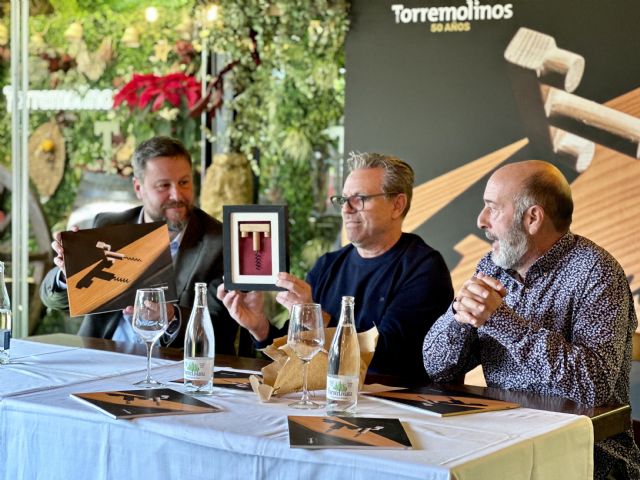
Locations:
(174, 225)
(179, 225)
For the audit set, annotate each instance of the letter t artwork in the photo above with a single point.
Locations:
(255, 248)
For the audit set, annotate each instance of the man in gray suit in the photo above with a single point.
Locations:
(163, 181)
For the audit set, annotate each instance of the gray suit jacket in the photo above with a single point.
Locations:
(199, 259)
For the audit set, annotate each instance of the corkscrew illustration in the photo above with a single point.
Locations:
(99, 271)
(256, 229)
(358, 430)
(112, 256)
(133, 399)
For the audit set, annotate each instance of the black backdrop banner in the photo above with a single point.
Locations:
(428, 81)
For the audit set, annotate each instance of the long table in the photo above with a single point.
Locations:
(607, 420)
(46, 434)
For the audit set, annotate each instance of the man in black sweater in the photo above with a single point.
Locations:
(400, 284)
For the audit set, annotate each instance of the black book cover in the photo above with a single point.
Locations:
(146, 402)
(105, 266)
(443, 403)
(347, 432)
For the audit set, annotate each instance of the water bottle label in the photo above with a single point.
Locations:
(198, 368)
(342, 388)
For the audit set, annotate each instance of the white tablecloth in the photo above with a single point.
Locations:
(38, 366)
(48, 435)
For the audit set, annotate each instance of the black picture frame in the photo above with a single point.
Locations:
(256, 246)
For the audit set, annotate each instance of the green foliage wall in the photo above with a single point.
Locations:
(56, 63)
(284, 105)
(281, 105)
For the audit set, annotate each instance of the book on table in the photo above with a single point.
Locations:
(105, 266)
(146, 402)
(443, 403)
(230, 379)
(347, 432)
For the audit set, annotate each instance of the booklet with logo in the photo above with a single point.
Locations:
(230, 379)
(105, 266)
(146, 402)
(443, 403)
(347, 432)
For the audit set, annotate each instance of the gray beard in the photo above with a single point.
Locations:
(512, 248)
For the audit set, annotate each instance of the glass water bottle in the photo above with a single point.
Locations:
(5, 319)
(199, 346)
(343, 375)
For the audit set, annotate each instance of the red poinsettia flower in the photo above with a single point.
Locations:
(150, 89)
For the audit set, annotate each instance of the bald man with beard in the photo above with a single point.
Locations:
(547, 311)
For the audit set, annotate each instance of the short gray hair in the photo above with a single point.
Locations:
(398, 175)
(157, 147)
(553, 196)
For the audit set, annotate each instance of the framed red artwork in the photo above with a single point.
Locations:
(255, 244)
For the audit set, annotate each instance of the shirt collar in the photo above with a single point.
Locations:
(551, 257)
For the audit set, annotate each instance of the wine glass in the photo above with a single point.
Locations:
(306, 338)
(150, 322)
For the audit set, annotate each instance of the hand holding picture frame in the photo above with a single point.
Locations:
(256, 246)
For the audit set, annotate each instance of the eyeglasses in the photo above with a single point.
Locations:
(355, 202)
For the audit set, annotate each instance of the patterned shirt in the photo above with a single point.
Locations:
(566, 330)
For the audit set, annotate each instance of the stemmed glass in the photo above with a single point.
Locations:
(150, 322)
(306, 338)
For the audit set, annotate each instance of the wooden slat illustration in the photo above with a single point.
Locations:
(606, 196)
(432, 196)
(607, 199)
(471, 248)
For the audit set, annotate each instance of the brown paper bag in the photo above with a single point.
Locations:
(284, 375)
